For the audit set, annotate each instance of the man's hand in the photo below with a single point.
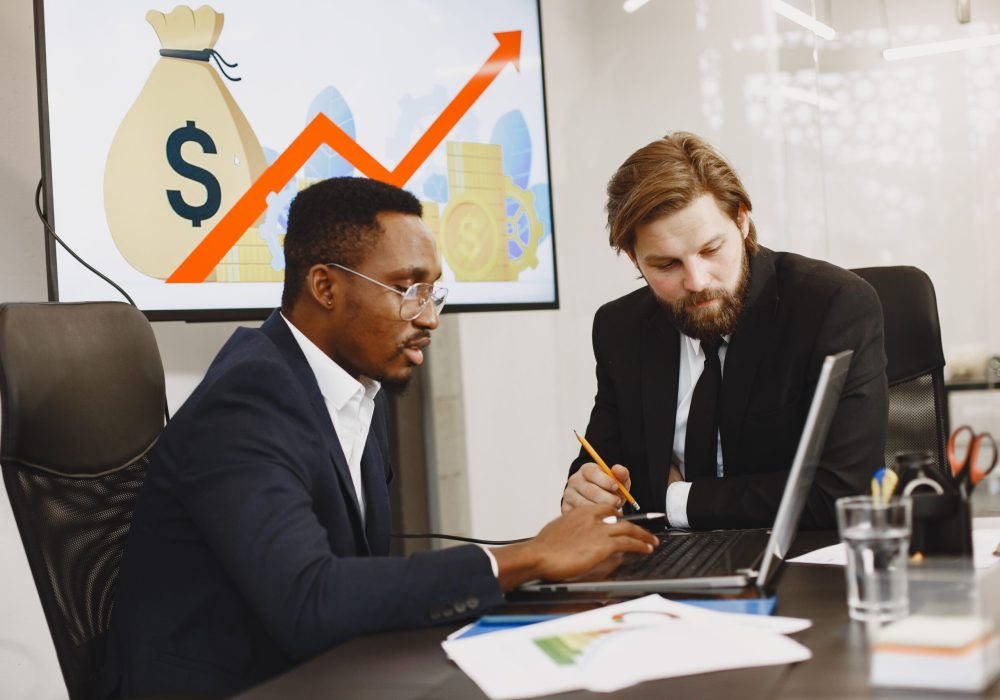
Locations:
(590, 485)
(570, 546)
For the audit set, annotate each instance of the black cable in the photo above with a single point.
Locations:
(52, 232)
(457, 538)
(473, 540)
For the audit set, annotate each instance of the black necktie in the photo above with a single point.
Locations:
(700, 442)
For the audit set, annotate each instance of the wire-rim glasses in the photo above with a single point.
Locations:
(414, 299)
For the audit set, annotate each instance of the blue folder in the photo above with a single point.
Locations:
(750, 606)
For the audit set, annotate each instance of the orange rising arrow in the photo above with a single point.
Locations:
(207, 254)
(509, 51)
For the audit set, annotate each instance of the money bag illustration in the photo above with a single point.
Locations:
(183, 154)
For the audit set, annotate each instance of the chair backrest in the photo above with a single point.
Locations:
(918, 408)
(81, 403)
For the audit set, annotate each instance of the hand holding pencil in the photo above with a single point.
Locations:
(596, 482)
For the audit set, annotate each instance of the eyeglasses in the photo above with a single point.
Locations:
(414, 299)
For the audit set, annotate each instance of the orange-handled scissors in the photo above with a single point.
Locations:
(971, 465)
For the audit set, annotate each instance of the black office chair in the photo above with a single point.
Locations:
(918, 407)
(83, 402)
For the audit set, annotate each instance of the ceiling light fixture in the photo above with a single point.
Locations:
(805, 21)
(935, 47)
(633, 5)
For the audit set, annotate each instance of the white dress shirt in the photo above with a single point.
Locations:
(349, 402)
(692, 365)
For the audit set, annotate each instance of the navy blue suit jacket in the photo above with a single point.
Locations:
(247, 552)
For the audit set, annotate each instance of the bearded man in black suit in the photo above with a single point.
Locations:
(705, 375)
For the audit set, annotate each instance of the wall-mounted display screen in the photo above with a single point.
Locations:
(175, 139)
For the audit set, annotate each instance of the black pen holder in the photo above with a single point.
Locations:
(942, 524)
(942, 519)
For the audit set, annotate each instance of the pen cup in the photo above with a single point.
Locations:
(876, 537)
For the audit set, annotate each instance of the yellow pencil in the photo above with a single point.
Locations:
(600, 462)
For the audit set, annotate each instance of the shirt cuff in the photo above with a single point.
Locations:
(677, 501)
(493, 561)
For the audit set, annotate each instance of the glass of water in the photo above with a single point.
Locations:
(876, 535)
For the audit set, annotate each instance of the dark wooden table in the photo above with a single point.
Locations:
(412, 666)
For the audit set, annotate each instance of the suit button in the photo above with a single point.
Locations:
(459, 606)
(472, 603)
(435, 614)
(447, 612)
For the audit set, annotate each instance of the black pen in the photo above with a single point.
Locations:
(612, 519)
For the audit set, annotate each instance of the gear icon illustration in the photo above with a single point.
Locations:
(523, 229)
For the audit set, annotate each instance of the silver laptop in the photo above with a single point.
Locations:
(687, 561)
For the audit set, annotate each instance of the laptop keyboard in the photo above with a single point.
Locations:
(681, 556)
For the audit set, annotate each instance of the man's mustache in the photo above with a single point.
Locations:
(703, 296)
(416, 337)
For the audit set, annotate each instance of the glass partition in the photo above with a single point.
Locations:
(867, 133)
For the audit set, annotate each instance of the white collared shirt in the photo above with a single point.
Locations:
(350, 404)
(691, 366)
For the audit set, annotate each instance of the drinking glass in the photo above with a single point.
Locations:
(876, 535)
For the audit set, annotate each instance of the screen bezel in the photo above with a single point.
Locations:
(249, 314)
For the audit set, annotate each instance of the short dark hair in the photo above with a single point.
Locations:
(336, 221)
(667, 175)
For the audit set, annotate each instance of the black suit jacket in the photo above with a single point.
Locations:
(798, 311)
(247, 554)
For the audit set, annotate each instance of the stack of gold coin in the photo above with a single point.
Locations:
(472, 228)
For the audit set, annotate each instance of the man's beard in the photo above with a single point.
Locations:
(396, 387)
(711, 325)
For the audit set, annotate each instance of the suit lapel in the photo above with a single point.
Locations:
(378, 515)
(747, 347)
(658, 378)
(277, 330)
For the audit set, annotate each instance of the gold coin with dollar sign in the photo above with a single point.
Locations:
(470, 240)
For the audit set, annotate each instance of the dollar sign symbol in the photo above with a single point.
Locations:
(470, 242)
(213, 193)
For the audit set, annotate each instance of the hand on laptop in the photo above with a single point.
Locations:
(591, 485)
(575, 544)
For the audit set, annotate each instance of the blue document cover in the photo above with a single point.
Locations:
(749, 606)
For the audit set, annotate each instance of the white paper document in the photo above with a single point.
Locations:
(984, 543)
(620, 645)
(834, 555)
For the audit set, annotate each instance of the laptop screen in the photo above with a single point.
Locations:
(800, 478)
